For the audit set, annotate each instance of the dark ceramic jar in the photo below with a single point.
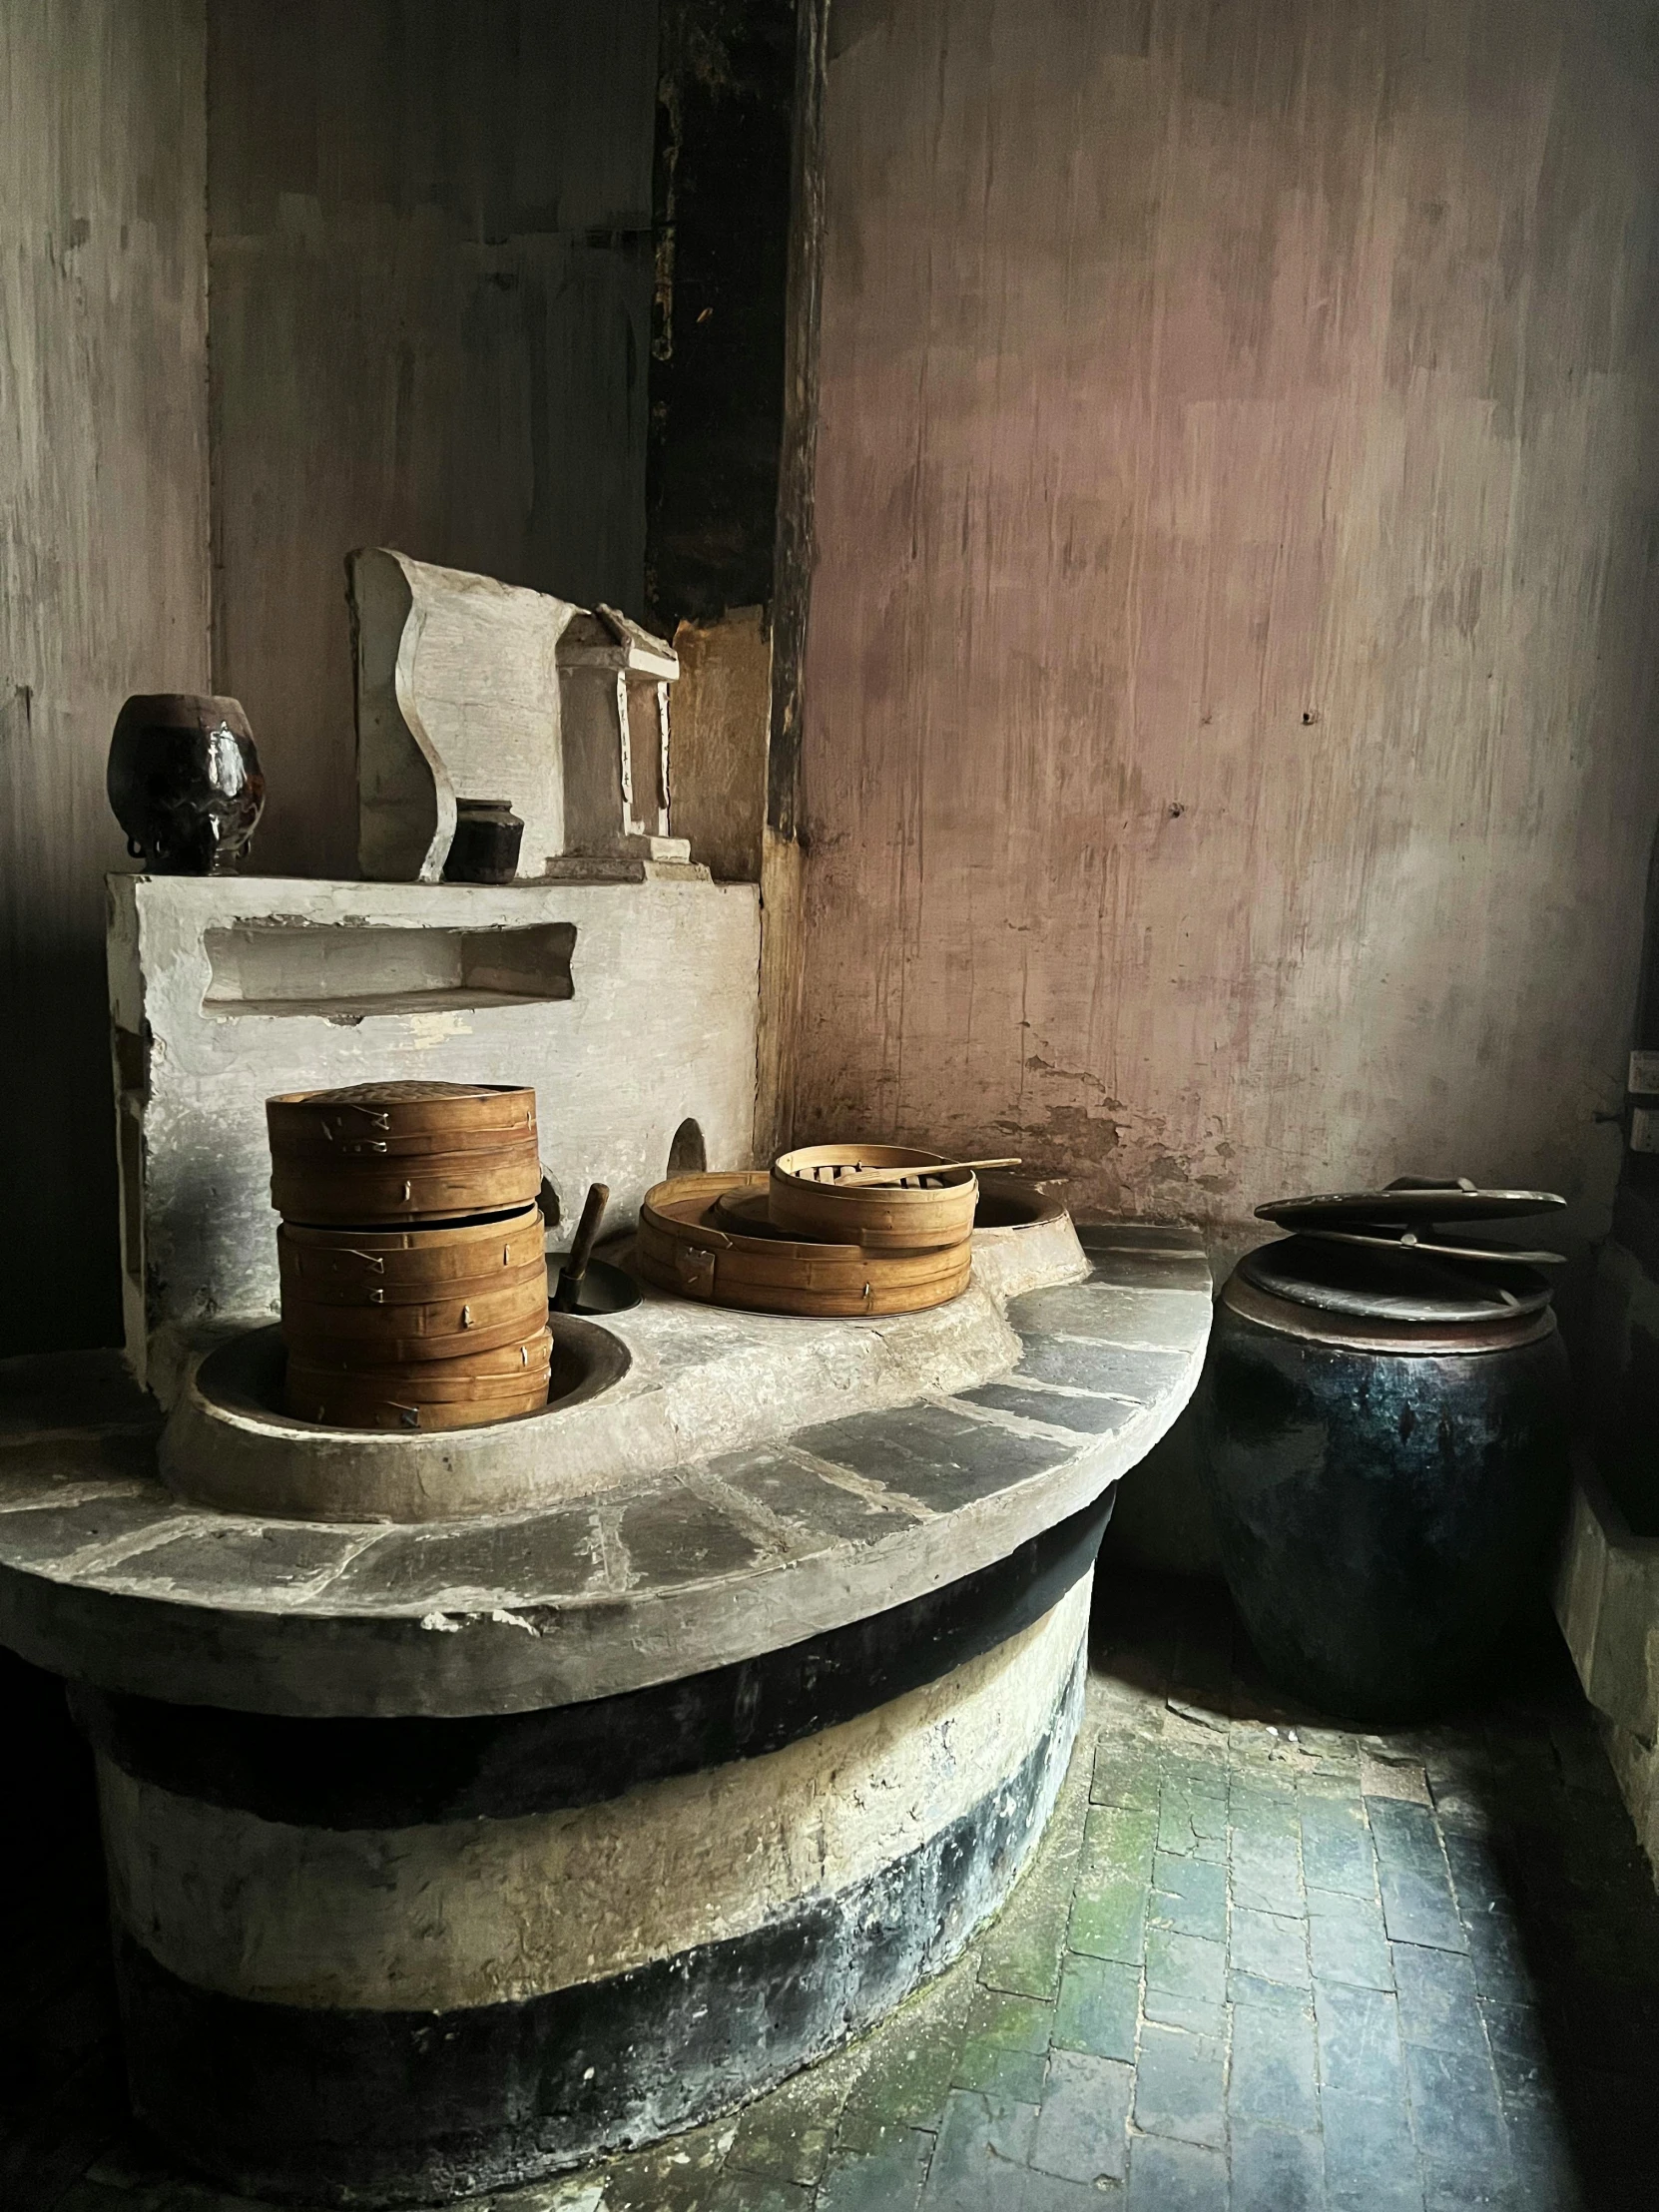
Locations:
(486, 847)
(185, 781)
(1384, 1445)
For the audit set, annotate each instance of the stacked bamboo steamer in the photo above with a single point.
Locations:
(413, 1276)
(811, 1239)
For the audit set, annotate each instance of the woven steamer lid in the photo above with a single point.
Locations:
(374, 1153)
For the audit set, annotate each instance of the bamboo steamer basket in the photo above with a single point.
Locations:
(432, 1329)
(806, 1198)
(398, 1267)
(447, 1393)
(684, 1244)
(388, 1151)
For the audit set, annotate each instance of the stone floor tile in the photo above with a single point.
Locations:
(1277, 2172)
(1188, 1894)
(1498, 1953)
(1478, 1874)
(1269, 1945)
(1459, 2189)
(1186, 1965)
(1272, 2074)
(1405, 1835)
(885, 2174)
(1455, 2108)
(1358, 2041)
(1108, 1921)
(1392, 1779)
(1437, 2001)
(909, 2061)
(737, 2191)
(1347, 1940)
(1272, 1996)
(1520, 2052)
(1173, 2177)
(1179, 2086)
(1097, 2008)
(787, 2134)
(1006, 2046)
(1418, 1909)
(1337, 1850)
(1082, 2128)
(1197, 2015)
(1021, 1952)
(1370, 2158)
(1118, 1844)
(1191, 1811)
(1127, 1773)
(981, 2138)
(1258, 1804)
(1546, 2159)
(1265, 1870)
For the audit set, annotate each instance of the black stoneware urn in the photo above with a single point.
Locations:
(1384, 1417)
(185, 781)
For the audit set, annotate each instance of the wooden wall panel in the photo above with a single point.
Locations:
(103, 576)
(1230, 761)
(431, 294)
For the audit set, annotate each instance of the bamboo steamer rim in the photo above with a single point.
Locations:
(666, 1209)
(412, 1092)
(807, 1278)
(413, 1236)
(788, 1167)
(499, 1363)
(400, 1113)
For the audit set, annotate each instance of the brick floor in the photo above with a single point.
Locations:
(1257, 1963)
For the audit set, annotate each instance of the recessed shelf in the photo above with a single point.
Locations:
(345, 971)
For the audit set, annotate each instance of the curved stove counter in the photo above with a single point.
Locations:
(447, 1854)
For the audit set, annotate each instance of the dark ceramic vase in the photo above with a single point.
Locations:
(185, 781)
(1386, 1479)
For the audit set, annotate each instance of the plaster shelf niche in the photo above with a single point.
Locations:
(344, 974)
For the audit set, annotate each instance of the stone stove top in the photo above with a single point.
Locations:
(107, 1577)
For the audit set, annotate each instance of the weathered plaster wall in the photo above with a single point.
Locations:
(103, 576)
(432, 301)
(1229, 758)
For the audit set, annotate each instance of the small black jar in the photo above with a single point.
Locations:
(185, 782)
(1385, 1442)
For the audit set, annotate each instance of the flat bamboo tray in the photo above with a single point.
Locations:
(402, 1151)
(806, 1198)
(683, 1245)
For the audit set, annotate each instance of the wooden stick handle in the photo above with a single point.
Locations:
(867, 1177)
(581, 1251)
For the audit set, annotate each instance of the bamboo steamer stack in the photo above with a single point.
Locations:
(813, 1239)
(413, 1278)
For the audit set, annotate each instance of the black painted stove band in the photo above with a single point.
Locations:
(331, 2106)
(347, 1773)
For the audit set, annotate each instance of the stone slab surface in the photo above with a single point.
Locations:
(1086, 2052)
(659, 1026)
(106, 1577)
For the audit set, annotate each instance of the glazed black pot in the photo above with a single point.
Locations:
(486, 847)
(185, 782)
(1386, 1450)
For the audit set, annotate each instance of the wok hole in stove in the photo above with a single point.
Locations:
(688, 1154)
